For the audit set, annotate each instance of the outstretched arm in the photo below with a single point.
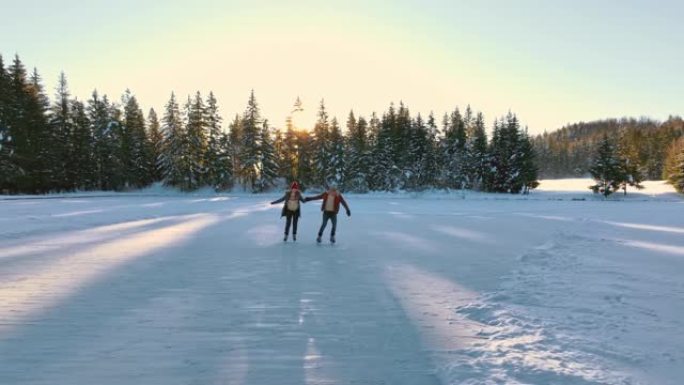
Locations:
(281, 200)
(314, 198)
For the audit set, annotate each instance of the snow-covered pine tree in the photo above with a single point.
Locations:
(173, 147)
(61, 129)
(219, 163)
(251, 127)
(235, 149)
(135, 148)
(415, 170)
(628, 153)
(321, 148)
(527, 163)
(10, 170)
(384, 173)
(155, 140)
(476, 153)
(289, 152)
(453, 151)
(401, 132)
(356, 155)
(82, 147)
(336, 168)
(606, 169)
(268, 162)
(431, 159)
(108, 165)
(196, 131)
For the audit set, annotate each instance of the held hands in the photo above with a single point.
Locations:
(348, 213)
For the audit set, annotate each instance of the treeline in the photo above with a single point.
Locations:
(68, 145)
(645, 144)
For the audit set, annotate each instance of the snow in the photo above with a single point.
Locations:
(157, 287)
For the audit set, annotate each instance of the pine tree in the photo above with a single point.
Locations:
(156, 139)
(82, 148)
(10, 170)
(61, 128)
(173, 159)
(250, 144)
(453, 151)
(476, 154)
(527, 164)
(135, 151)
(321, 148)
(357, 156)
(196, 150)
(415, 172)
(235, 148)
(268, 163)
(336, 169)
(606, 169)
(219, 163)
(104, 126)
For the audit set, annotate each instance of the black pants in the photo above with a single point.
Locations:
(328, 215)
(291, 218)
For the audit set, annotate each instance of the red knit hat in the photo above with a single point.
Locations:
(295, 186)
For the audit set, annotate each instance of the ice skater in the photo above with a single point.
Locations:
(330, 207)
(291, 210)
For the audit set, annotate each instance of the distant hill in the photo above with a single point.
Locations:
(568, 152)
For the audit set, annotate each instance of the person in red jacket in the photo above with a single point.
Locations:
(330, 207)
(291, 210)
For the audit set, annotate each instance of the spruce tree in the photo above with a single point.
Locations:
(61, 139)
(196, 151)
(321, 148)
(10, 170)
(136, 150)
(82, 148)
(104, 126)
(606, 169)
(235, 148)
(527, 164)
(476, 154)
(173, 161)
(251, 127)
(356, 155)
(336, 169)
(268, 163)
(156, 139)
(219, 164)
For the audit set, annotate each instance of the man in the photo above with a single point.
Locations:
(330, 207)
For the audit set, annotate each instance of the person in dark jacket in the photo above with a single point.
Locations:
(291, 210)
(330, 207)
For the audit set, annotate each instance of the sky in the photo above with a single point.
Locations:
(552, 62)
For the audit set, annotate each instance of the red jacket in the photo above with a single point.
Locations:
(338, 199)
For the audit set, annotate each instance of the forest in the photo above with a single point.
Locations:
(66, 144)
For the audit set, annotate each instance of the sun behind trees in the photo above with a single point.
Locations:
(101, 145)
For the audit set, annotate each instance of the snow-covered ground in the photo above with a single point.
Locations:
(161, 288)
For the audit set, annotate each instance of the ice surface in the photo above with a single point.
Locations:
(156, 287)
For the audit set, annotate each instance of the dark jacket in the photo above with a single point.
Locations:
(338, 199)
(285, 198)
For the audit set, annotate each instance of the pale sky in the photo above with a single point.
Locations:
(550, 61)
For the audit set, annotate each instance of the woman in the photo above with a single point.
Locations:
(330, 207)
(291, 210)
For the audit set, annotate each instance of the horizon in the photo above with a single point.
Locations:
(552, 64)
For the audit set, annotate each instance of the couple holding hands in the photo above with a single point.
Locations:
(330, 207)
